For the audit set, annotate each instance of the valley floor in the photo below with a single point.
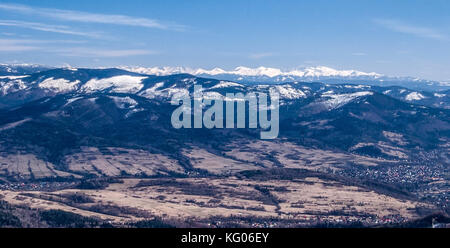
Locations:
(225, 202)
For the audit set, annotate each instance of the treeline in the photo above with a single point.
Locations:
(7, 219)
(98, 183)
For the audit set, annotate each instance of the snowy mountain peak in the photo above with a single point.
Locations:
(323, 71)
(314, 72)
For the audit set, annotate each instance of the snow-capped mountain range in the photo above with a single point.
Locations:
(18, 89)
(309, 74)
(258, 75)
(23, 83)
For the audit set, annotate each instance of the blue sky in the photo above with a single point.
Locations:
(403, 38)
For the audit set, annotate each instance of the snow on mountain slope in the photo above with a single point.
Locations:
(339, 100)
(414, 96)
(73, 99)
(13, 77)
(161, 90)
(124, 102)
(118, 84)
(357, 86)
(287, 92)
(14, 124)
(59, 85)
(11, 85)
(158, 91)
(224, 84)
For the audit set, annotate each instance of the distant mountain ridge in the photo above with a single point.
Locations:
(21, 69)
(261, 75)
(18, 89)
(309, 74)
(319, 71)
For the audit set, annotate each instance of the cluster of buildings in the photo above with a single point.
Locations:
(39, 186)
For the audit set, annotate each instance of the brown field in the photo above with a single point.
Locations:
(201, 198)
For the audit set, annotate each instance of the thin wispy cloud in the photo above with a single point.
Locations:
(47, 46)
(38, 41)
(48, 28)
(261, 55)
(98, 53)
(419, 31)
(24, 45)
(9, 45)
(86, 17)
(359, 54)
